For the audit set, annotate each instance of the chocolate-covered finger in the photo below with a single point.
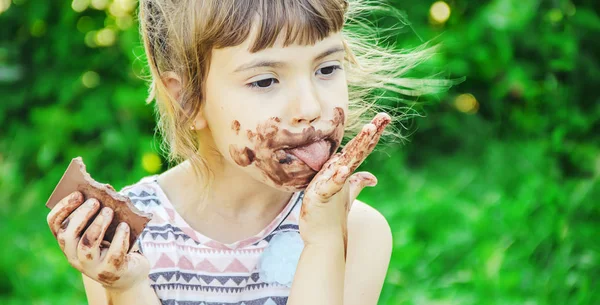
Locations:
(380, 121)
(326, 188)
(62, 210)
(324, 174)
(89, 245)
(70, 230)
(371, 131)
(361, 138)
(356, 151)
(358, 182)
(117, 253)
(341, 175)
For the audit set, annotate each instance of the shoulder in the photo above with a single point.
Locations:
(369, 252)
(145, 183)
(366, 221)
(143, 193)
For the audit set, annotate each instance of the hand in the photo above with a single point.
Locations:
(106, 263)
(329, 196)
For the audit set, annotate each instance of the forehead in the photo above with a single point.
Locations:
(280, 51)
(263, 22)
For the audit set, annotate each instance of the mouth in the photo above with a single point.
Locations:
(314, 153)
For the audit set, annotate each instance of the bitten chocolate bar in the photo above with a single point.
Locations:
(76, 178)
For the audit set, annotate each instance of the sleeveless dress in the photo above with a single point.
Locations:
(190, 268)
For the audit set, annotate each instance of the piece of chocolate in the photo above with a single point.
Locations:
(76, 178)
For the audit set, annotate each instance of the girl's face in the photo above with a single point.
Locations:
(279, 113)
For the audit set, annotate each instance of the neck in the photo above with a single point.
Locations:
(232, 196)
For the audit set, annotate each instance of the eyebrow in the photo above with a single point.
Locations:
(278, 64)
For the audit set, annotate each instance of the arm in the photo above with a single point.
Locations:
(322, 276)
(96, 294)
(369, 253)
(142, 293)
(325, 221)
(319, 277)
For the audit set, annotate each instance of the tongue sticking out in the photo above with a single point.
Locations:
(314, 154)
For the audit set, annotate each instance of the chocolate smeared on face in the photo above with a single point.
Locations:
(338, 116)
(242, 157)
(251, 135)
(272, 150)
(236, 127)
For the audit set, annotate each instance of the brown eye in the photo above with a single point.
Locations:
(329, 70)
(263, 83)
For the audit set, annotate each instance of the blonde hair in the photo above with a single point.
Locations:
(179, 35)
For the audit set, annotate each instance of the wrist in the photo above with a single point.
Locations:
(134, 288)
(140, 293)
(326, 242)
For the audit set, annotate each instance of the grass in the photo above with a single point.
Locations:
(499, 226)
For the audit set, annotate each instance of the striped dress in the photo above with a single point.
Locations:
(190, 268)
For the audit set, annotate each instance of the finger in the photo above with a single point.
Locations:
(341, 165)
(88, 248)
(331, 183)
(357, 183)
(70, 231)
(363, 145)
(117, 252)
(62, 210)
(356, 151)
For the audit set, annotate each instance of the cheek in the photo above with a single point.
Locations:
(334, 93)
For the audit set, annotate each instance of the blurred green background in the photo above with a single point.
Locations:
(494, 200)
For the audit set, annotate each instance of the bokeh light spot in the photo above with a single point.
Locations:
(80, 5)
(38, 28)
(99, 4)
(90, 39)
(439, 12)
(555, 15)
(466, 103)
(570, 10)
(4, 5)
(120, 8)
(124, 22)
(85, 24)
(90, 79)
(105, 37)
(151, 162)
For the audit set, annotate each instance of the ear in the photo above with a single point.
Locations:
(174, 85)
(199, 122)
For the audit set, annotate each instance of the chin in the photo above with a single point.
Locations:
(290, 188)
(293, 185)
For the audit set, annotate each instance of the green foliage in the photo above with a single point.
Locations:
(493, 201)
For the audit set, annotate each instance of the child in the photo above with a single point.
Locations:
(254, 97)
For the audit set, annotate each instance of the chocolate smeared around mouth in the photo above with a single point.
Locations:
(289, 159)
(314, 154)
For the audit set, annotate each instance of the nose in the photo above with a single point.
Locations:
(305, 104)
